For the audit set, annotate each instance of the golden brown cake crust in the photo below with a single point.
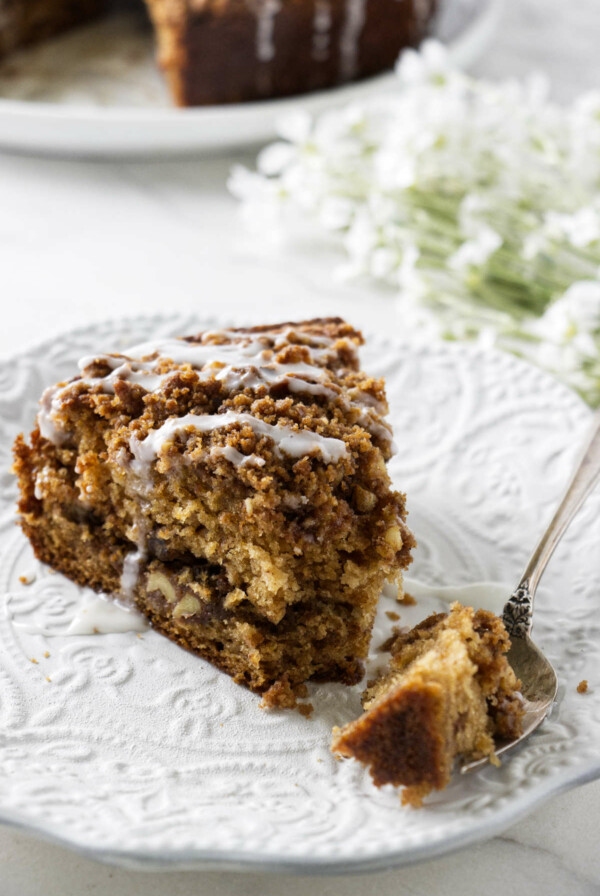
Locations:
(234, 483)
(402, 742)
(448, 691)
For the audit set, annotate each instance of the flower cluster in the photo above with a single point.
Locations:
(478, 202)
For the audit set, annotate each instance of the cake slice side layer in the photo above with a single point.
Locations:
(233, 486)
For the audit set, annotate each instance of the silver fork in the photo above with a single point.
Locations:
(538, 678)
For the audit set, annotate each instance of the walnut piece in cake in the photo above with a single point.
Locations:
(233, 486)
(448, 691)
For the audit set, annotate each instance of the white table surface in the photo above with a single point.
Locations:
(84, 241)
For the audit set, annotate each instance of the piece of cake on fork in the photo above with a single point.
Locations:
(233, 486)
(448, 691)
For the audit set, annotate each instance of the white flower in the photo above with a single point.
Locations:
(261, 209)
(582, 303)
(295, 126)
(570, 332)
(384, 262)
(580, 228)
(275, 158)
(430, 62)
(472, 209)
(478, 202)
(409, 279)
(576, 312)
(534, 244)
(361, 237)
(475, 252)
(336, 213)
(418, 321)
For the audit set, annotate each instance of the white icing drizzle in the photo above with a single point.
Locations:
(422, 13)
(50, 404)
(297, 376)
(246, 363)
(350, 36)
(366, 400)
(295, 384)
(122, 369)
(132, 563)
(265, 12)
(236, 457)
(197, 354)
(321, 42)
(236, 365)
(142, 373)
(242, 353)
(102, 616)
(381, 430)
(131, 573)
(290, 335)
(294, 443)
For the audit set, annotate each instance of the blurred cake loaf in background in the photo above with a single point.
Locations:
(229, 51)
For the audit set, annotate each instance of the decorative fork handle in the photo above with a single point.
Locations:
(518, 612)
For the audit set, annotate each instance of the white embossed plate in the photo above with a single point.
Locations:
(137, 753)
(96, 91)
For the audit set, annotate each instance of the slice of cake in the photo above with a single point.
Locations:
(229, 51)
(233, 486)
(448, 692)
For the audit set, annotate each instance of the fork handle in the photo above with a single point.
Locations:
(518, 612)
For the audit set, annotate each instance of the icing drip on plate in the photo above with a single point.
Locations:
(103, 616)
